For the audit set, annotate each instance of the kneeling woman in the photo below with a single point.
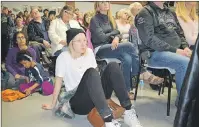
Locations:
(85, 88)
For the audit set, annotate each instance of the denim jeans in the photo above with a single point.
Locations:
(172, 60)
(127, 54)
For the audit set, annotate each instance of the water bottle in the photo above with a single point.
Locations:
(141, 86)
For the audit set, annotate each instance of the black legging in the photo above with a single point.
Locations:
(93, 91)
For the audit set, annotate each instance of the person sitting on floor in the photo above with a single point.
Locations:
(36, 78)
(15, 70)
(85, 88)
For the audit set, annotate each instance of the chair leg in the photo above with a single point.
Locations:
(160, 88)
(165, 81)
(169, 95)
(136, 88)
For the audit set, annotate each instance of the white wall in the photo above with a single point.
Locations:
(83, 6)
(89, 6)
(20, 5)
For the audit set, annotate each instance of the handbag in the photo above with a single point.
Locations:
(96, 120)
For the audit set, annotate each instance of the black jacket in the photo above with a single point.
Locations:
(159, 29)
(35, 33)
(188, 108)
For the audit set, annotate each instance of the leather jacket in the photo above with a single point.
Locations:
(188, 107)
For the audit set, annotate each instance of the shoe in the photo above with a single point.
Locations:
(114, 123)
(130, 118)
(151, 79)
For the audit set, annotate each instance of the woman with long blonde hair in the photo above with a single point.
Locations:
(106, 40)
(188, 18)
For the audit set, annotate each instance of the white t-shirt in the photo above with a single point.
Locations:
(72, 70)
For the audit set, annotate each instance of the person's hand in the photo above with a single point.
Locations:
(17, 76)
(47, 107)
(181, 52)
(46, 44)
(115, 43)
(188, 51)
(28, 91)
(63, 42)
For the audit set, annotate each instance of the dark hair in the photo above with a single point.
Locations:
(15, 38)
(51, 13)
(25, 11)
(84, 20)
(23, 55)
(45, 10)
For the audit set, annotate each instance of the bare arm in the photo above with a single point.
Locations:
(58, 84)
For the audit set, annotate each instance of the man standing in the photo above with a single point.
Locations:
(6, 32)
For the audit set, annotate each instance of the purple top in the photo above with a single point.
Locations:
(11, 64)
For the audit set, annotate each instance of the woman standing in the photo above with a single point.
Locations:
(85, 88)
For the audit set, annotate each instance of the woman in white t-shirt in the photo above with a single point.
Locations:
(85, 89)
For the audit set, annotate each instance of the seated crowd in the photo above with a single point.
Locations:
(71, 41)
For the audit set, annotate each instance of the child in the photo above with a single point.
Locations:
(37, 79)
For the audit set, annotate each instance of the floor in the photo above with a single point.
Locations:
(150, 107)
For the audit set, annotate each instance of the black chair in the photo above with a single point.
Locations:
(167, 72)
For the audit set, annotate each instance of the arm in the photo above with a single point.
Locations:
(58, 84)
(9, 60)
(52, 33)
(37, 75)
(145, 26)
(60, 73)
(97, 32)
(32, 34)
(33, 53)
(180, 32)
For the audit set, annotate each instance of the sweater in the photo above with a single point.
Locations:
(11, 64)
(190, 29)
(102, 31)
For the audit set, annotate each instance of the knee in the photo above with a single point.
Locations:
(127, 60)
(113, 66)
(91, 72)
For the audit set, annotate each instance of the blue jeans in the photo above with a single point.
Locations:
(172, 60)
(126, 53)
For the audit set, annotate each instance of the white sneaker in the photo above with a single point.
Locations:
(114, 123)
(131, 119)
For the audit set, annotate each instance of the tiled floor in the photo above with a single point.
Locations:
(150, 107)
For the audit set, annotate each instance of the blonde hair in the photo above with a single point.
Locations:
(134, 5)
(71, 50)
(110, 17)
(182, 12)
(122, 11)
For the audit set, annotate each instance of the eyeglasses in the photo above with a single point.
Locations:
(20, 38)
(106, 2)
(68, 12)
(80, 41)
